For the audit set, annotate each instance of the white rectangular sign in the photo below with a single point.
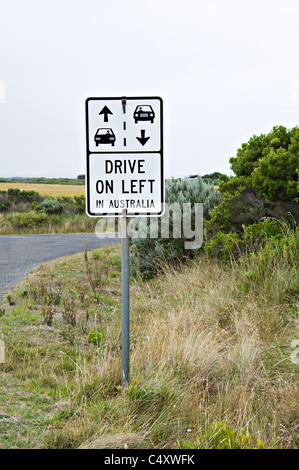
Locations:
(124, 140)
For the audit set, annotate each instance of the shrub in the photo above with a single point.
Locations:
(149, 254)
(25, 220)
(219, 435)
(266, 182)
(226, 246)
(36, 206)
(80, 204)
(51, 206)
(97, 336)
(16, 195)
(15, 200)
(4, 206)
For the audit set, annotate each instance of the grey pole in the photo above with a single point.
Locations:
(125, 300)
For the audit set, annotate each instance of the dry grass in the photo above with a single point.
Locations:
(50, 190)
(223, 348)
(118, 441)
(210, 356)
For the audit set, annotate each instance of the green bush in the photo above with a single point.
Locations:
(4, 206)
(15, 200)
(60, 214)
(80, 203)
(232, 245)
(97, 336)
(25, 220)
(265, 184)
(16, 195)
(36, 206)
(224, 246)
(51, 206)
(151, 254)
(219, 435)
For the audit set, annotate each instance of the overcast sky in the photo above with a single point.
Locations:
(225, 70)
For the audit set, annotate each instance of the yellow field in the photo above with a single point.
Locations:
(47, 189)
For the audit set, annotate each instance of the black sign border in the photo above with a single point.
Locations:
(88, 153)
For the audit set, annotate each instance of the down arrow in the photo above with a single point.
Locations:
(143, 139)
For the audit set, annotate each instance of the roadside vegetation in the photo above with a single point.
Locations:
(210, 178)
(214, 332)
(210, 354)
(24, 212)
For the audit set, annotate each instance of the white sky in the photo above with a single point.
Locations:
(225, 70)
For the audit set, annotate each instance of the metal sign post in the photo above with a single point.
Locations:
(125, 300)
(124, 175)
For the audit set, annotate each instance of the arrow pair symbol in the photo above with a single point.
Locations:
(142, 139)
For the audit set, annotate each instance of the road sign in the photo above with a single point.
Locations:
(124, 143)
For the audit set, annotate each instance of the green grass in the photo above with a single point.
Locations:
(210, 355)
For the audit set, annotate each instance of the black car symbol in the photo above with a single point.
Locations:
(144, 113)
(104, 136)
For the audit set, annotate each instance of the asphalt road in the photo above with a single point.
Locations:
(21, 253)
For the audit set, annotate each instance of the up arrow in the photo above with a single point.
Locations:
(105, 111)
(142, 139)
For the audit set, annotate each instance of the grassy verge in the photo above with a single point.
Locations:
(30, 212)
(25, 223)
(210, 356)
